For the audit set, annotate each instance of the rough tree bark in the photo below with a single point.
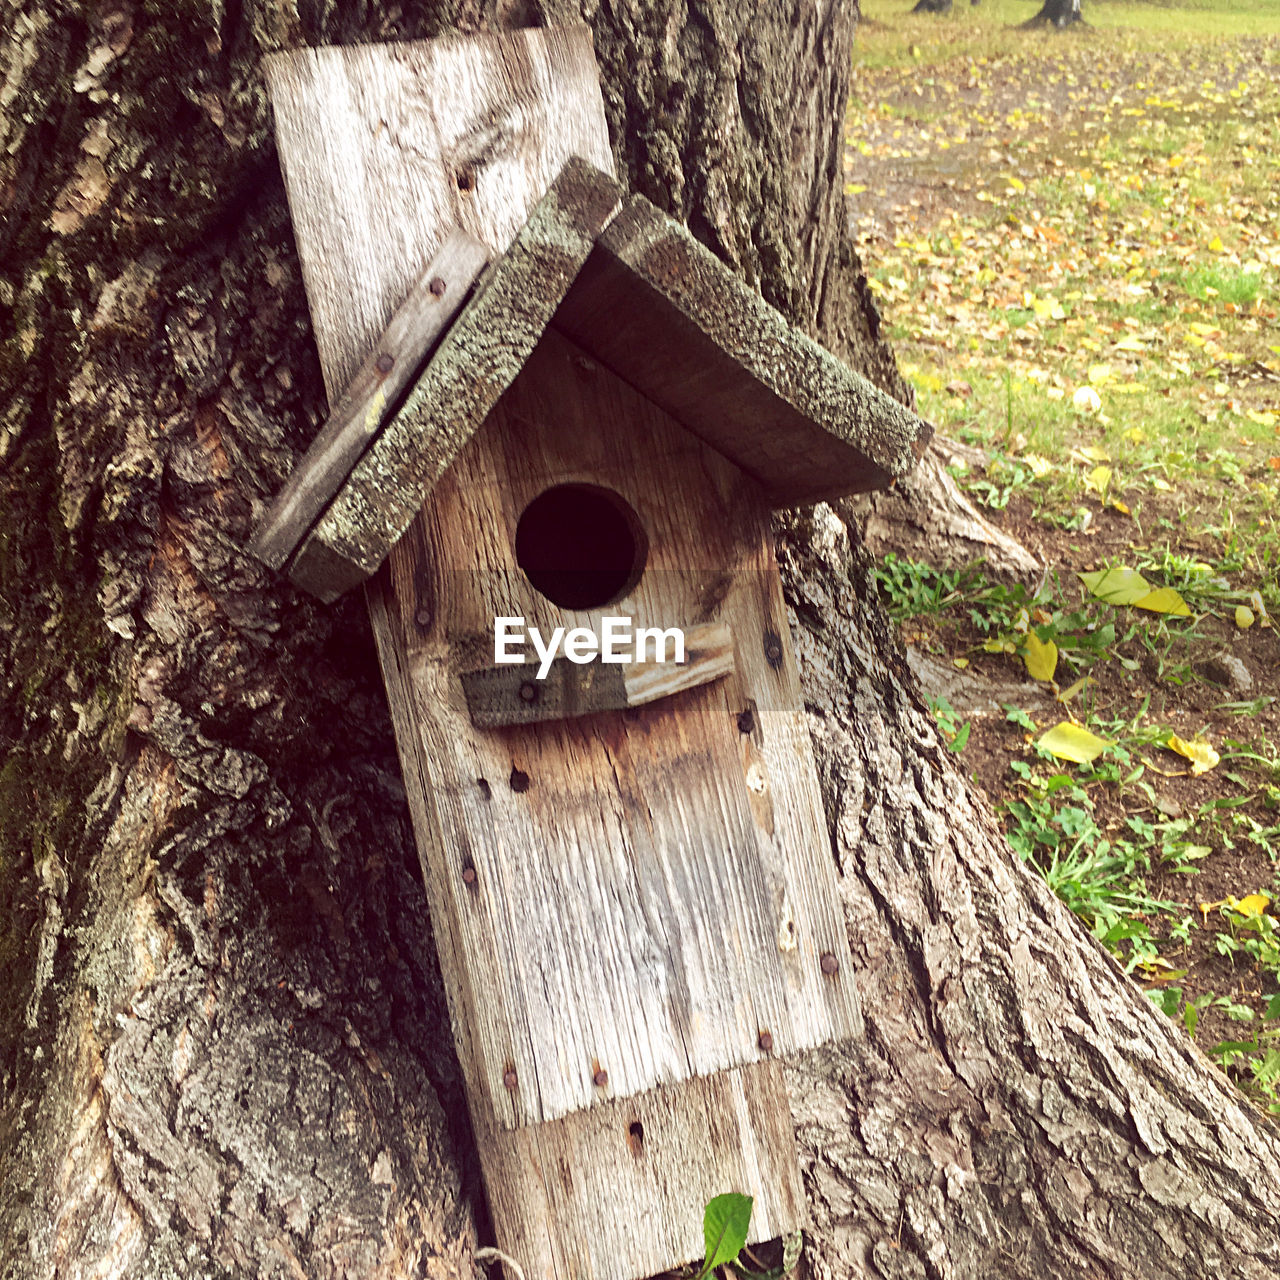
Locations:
(1059, 13)
(223, 1045)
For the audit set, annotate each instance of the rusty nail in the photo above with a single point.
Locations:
(437, 287)
(385, 361)
(528, 692)
(423, 617)
(468, 875)
(773, 649)
(766, 1042)
(509, 1079)
(601, 1078)
(830, 965)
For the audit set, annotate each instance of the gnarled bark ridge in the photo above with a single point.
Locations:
(223, 1044)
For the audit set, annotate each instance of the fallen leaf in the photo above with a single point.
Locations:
(1244, 617)
(1098, 479)
(1202, 756)
(1252, 904)
(1117, 585)
(1072, 689)
(1040, 657)
(1163, 600)
(1069, 741)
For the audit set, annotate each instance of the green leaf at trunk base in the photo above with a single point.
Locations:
(724, 1226)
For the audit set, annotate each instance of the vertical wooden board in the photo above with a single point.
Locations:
(625, 1183)
(656, 892)
(384, 146)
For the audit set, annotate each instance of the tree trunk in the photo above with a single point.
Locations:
(223, 1039)
(1061, 13)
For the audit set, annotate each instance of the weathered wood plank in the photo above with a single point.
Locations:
(651, 1159)
(386, 146)
(649, 892)
(397, 357)
(476, 361)
(662, 311)
(515, 694)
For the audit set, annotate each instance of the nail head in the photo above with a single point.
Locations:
(385, 361)
(830, 965)
(509, 1079)
(773, 649)
(766, 1042)
(437, 287)
(600, 1079)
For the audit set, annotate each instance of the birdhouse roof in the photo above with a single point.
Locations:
(635, 291)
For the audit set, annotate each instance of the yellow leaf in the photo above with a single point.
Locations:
(1244, 617)
(1069, 741)
(1163, 600)
(1130, 343)
(1117, 586)
(961, 663)
(1072, 689)
(1204, 330)
(1202, 756)
(1094, 453)
(1252, 904)
(1215, 245)
(1040, 657)
(854, 189)
(1099, 373)
(1016, 183)
(1098, 479)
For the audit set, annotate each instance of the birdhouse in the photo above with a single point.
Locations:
(554, 471)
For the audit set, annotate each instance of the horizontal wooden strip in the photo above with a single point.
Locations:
(507, 695)
(396, 359)
(664, 313)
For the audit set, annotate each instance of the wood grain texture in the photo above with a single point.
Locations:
(515, 694)
(625, 1182)
(476, 361)
(386, 146)
(724, 1131)
(646, 892)
(396, 358)
(662, 311)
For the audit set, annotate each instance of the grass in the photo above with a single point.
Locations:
(1075, 243)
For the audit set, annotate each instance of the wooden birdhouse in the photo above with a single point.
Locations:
(553, 459)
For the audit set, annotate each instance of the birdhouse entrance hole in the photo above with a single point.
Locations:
(581, 545)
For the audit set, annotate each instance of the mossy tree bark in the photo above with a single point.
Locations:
(223, 1044)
